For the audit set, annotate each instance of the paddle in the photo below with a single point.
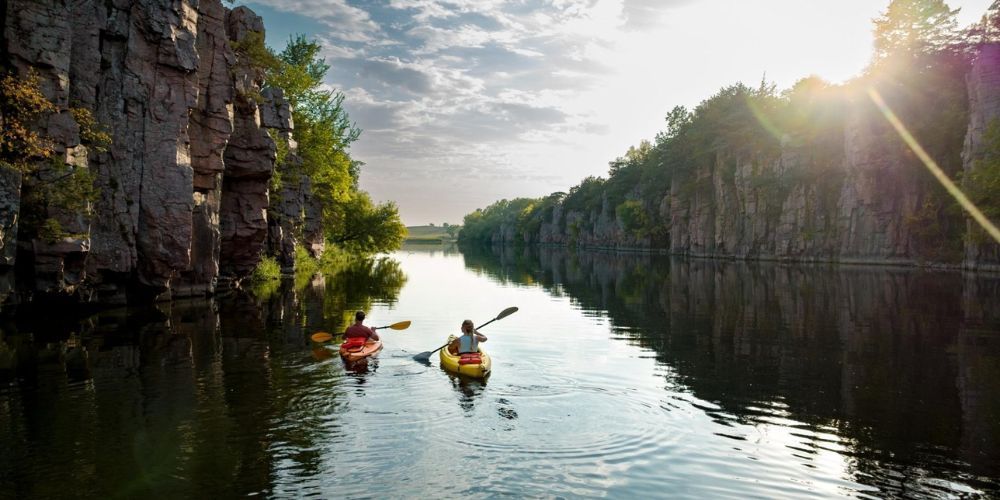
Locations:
(426, 356)
(320, 337)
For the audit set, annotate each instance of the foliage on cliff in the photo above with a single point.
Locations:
(760, 144)
(51, 189)
(738, 121)
(324, 133)
(983, 182)
(22, 103)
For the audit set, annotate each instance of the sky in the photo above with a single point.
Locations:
(465, 102)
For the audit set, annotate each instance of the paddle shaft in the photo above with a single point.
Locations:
(425, 356)
(326, 337)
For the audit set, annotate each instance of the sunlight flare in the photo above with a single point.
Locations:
(931, 165)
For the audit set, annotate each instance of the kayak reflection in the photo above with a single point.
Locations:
(469, 390)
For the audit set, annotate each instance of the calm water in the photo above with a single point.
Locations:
(620, 376)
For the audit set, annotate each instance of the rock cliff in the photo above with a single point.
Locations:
(183, 188)
(984, 107)
(866, 199)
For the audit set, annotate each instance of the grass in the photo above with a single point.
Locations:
(431, 235)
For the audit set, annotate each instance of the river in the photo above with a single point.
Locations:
(621, 375)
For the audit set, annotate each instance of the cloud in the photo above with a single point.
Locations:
(435, 39)
(346, 22)
(457, 88)
(395, 74)
(647, 14)
(530, 115)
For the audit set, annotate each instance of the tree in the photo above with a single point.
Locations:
(364, 227)
(910, 29)
(51, 189)
(677, 119)
(22, 103)
(323, 129)
(324, 133)
(987, 30)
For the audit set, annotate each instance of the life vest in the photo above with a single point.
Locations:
(354, 342)
(473, 358)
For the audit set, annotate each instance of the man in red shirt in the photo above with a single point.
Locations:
(360, 331)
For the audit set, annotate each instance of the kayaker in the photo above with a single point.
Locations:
(469, 341)
(359, 331)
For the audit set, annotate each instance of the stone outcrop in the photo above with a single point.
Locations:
(183, 187)
(210, 127)
(866, 199)
(984, 111)
(249, 160)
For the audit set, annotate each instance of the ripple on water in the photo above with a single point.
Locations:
(572, 422)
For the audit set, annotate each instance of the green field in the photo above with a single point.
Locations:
(428, 234)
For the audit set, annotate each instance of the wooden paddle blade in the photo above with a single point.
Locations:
(321, 337)
(402, 325)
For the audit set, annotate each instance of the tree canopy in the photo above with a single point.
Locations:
(914, 28)
(324, 133)
(919, 64)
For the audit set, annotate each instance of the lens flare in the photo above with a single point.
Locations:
(931, 165)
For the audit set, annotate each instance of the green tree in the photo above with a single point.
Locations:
(364, 227)
(632, 216)
(323, 129)
(324, 133)
(912, 28)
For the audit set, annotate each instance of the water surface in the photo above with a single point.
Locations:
(620, 376)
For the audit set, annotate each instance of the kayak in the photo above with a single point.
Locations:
(471, 368)
(351, 354)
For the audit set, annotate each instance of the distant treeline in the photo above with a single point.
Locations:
(759, 140)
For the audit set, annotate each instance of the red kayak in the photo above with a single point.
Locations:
(352, 351)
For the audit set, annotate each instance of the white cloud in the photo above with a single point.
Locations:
(346, 22)
(525, 98)
(428, 9)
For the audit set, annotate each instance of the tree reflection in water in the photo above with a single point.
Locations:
(903, 364)
(198, 386)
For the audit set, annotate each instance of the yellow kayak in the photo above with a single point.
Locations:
(452, 363)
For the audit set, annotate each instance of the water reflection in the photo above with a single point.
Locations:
(718, 379)
(468, 391)
(431, 249)
(193, 398)
(893, 373)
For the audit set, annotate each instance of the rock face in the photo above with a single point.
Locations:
(210, 127)
(866, 203)
(249, 160)
(984, 107)
(183, 187)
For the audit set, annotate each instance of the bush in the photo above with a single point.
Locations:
(267, 269)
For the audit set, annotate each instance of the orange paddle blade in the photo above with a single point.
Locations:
(321, 337)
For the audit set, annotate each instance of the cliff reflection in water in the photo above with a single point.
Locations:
(903, 365)
(188, 399)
